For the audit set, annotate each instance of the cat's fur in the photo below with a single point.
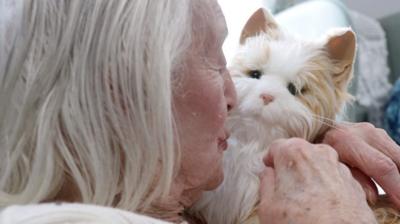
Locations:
(302, 87)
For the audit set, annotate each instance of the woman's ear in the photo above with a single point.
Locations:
(341, 48)
(260, 22)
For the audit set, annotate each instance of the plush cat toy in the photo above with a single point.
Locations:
(286, 87)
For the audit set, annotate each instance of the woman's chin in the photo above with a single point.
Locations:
(215, 181)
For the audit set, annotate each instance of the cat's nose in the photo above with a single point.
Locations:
(267, 98)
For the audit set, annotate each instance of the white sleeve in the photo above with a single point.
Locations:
(67, 213)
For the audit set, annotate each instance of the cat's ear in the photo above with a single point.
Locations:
(341, 47)
(260, 22)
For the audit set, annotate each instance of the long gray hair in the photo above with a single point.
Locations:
(85, 97)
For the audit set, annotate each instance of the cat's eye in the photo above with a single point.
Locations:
(255, 74)
(292, 89)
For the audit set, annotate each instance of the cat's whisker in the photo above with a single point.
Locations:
(325, 123)
(331, 120)
(323, 118)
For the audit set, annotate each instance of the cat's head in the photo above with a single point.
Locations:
(289, 83)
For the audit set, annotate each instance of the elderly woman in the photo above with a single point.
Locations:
(122, 104)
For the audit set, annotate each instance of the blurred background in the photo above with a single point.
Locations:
(376, 84)
(373, 8)
(238, 11)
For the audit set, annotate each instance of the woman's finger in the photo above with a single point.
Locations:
(376, 137)
(287, 150)
(267, 185)
(273, 150)
(357, 153)
(367, 184)
(382, 142)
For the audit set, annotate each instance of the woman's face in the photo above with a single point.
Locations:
(203, 97)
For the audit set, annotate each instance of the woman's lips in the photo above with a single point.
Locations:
(223, 142)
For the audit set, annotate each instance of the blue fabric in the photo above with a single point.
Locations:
(391, 119)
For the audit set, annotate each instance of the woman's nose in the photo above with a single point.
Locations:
(230, 92)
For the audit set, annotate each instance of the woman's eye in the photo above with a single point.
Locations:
(255, 74)
(292, 89)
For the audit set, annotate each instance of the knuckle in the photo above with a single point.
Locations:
(289, 152)
(345, 170)
(367, 126)
(381, 132)
(331, 153)
(333, 136)
(328, 151)
(385, 166)
(297, 143)
(294, 147)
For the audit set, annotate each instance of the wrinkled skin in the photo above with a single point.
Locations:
(306, 183)
(202, 100)
(202, 97)
(370, 153)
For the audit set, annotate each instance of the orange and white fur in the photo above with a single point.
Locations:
(287, 87)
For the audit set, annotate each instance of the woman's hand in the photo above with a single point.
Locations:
(370, 153)
(305, 183)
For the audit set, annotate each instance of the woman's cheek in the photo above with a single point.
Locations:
(216, 106)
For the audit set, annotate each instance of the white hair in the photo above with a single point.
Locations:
(85, 98)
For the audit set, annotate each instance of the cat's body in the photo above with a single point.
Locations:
(286, 88)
